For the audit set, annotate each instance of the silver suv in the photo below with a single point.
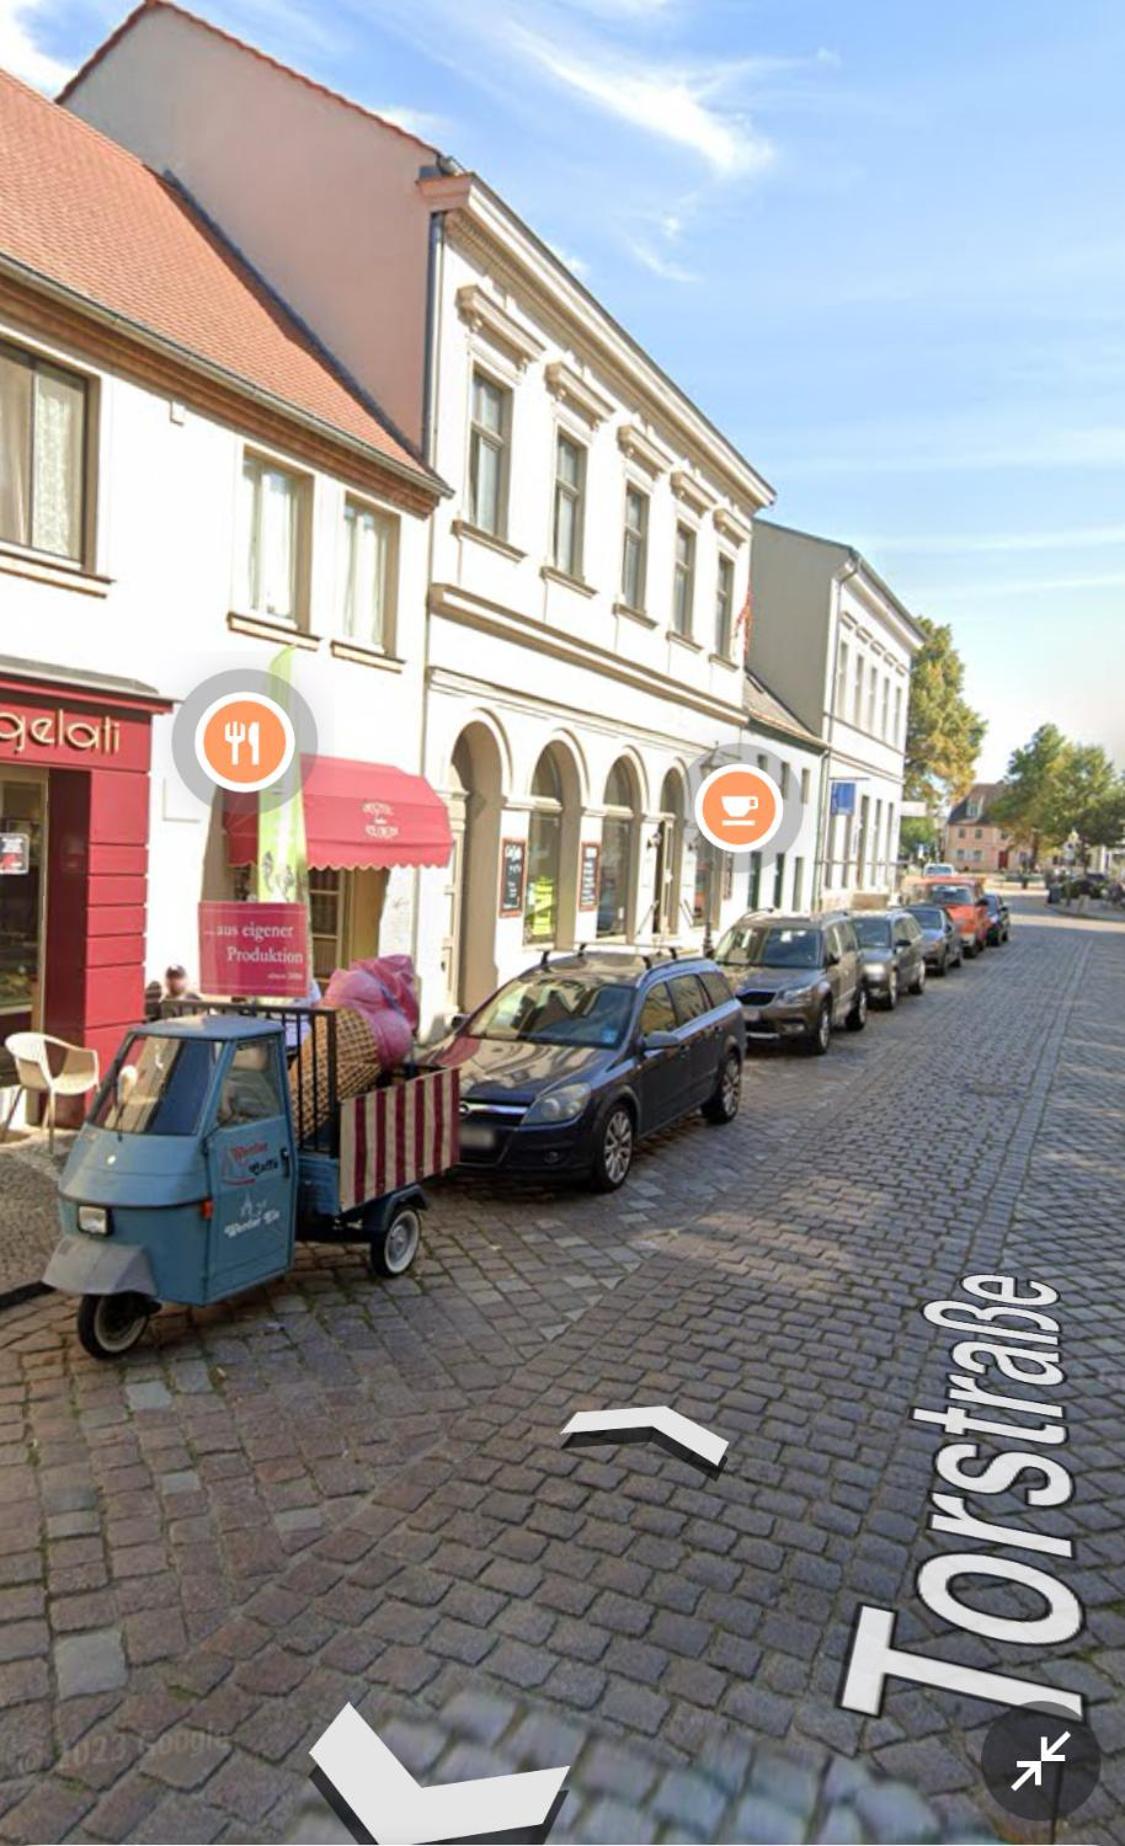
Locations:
(796, 977)
(894, 954)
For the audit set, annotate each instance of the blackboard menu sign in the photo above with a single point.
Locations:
(513, 863)
(588, 881)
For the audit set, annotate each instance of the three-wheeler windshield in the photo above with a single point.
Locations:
(168, 1090)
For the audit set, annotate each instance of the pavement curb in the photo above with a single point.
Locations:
(25, 1291)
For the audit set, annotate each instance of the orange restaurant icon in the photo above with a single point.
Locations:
(738, 808)
(245, 741)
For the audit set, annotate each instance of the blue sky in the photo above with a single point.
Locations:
(880, 241)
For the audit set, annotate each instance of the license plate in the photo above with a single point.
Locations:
(477, 1135)
(753, 1015)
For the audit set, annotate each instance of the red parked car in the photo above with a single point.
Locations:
(964, 900)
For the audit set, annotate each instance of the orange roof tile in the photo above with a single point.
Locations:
(80, 211)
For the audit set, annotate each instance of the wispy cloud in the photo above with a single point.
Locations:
(431, 128)
(666, 267)
(1038, 539)
(1021, 586)
(20, 51)
(673, 103)
(878, 451)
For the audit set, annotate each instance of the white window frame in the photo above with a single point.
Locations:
(682, 573)
(249, 596)
(575, 494)
(724, 610)
(499, 441)
(642, 538)
(384, 641)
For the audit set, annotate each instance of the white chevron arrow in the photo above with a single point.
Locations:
(391, 1805)
(690, 1439)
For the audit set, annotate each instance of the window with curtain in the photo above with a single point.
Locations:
(544, 853)
(806, 785)
(570, 494)
(683, 586)
(886, 704)
(43, 413)
(755, 880)
(619, 832)
(872, 683)
(857, 695)
(271, 509)
(842, 681)
(368, 585)
(634, 559)
(488, 455)
(724, 606)
(798, 883)
(898, 715)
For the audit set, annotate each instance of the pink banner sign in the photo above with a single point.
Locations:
(254, 951)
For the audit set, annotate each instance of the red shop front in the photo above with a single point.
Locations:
(74, 816)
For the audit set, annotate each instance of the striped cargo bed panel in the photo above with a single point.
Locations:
(397, 1136)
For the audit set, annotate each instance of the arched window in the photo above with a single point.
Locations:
(618, 855)
(544, 850)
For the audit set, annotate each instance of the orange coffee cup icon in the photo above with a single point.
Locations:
(738, 808)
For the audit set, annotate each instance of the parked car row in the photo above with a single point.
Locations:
(565, 1068)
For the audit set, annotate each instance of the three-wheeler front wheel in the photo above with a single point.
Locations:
(109, 1325)
(395, 1244)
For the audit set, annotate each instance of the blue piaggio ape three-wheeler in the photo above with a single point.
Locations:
(191, 1179)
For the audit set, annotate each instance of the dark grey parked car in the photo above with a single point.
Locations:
(569, 1064)
(796, 977)
(941, 938)
(892, 947)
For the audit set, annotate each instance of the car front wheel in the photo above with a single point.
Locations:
(820, 1038)
(918, 984)
(890, 998)
(723, 1105)
(857, 1018)
(613, 1151)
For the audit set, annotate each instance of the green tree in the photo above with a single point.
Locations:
(943, 732)
(1055, 788)
(1086, 796)
(1023, 804)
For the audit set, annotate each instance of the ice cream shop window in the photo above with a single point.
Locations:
(23, 819)
(327, 904)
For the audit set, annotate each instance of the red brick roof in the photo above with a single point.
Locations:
(82, 212)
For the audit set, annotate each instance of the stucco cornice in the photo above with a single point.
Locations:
(570, 388)
(460, 605)
(49, 310)
(486, 317)
(483, 225)
(641, 448)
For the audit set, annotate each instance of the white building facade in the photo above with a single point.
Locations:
(836, 644)
(180, 519)
(587, 573)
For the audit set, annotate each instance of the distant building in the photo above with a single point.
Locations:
(834, 641)
(973, 842)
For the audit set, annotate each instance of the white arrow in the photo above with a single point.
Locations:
(391, 1805)
(1034, 1766)
(688, 1438)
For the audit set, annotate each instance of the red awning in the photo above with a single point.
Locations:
(356, 814)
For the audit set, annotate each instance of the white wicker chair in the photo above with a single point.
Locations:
(76, 1072)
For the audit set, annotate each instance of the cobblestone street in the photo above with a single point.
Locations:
(335, 1489)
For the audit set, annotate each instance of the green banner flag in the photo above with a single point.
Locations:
(283, 864)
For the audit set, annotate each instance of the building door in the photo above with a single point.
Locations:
(23, 883)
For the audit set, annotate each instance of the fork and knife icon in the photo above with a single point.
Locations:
(236, 734)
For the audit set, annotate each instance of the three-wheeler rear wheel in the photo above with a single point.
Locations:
(110, 1325)
(394, 1240)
